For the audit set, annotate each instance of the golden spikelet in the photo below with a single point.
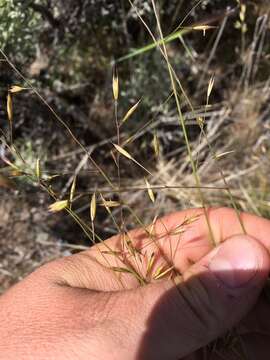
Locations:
(130, 112)
(38, 170)
(93, 207)
(210, 87)
(127, 155)
(9, 108)
(58, 206)
(15, 89)
(115, 86)
(72, 190)
(150, 191)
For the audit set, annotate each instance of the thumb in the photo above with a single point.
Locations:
(169, 322)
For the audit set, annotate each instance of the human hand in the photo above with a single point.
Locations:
(76, 307)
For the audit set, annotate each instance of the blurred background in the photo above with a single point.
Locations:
(66, 50)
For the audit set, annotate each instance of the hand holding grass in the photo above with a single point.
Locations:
(77, 308)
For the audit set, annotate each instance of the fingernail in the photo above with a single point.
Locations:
(235, 262)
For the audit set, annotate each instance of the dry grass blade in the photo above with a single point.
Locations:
(58, 206)
(130, 112)
(93, 207)
(127, 155)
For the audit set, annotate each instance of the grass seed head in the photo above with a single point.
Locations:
(161, 272)
(150, 263)
(38, 170)
(203, 28)
(72, 190)
(58, 206)
(93, 207)
(127, 155)
(156, 145)
(110, 203)
(115, 86)
(9, 108)
(150, 191)
(16, 89)
(130, 112)
(210, 87)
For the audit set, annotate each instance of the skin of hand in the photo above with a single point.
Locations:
(76, 307)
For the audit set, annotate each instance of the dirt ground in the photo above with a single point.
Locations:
(25, 243)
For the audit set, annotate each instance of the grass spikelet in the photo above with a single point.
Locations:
(203, 28)
(115, 86)
(162, 271)
(121, 270)
(210, 88)
(104, 203)
(9, 108)
(150, 263)
(127, 155)
(114, 157)
(58, 206)
(152, 228)
(129, 245)
(200, 121)
(93, 207)
(10, 115)
(130, 112)
(218, 156)
(156, 145)
(110, 203)
(16, 89)
(133, 251)
(123, 152)
(162, 274)
(72, 190)
(112, 252)
(191, 219)
(181, 228)
(38, 170)
(131, 271)
(150, 191)
(243, 11)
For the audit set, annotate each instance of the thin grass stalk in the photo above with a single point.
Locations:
(183, 126)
